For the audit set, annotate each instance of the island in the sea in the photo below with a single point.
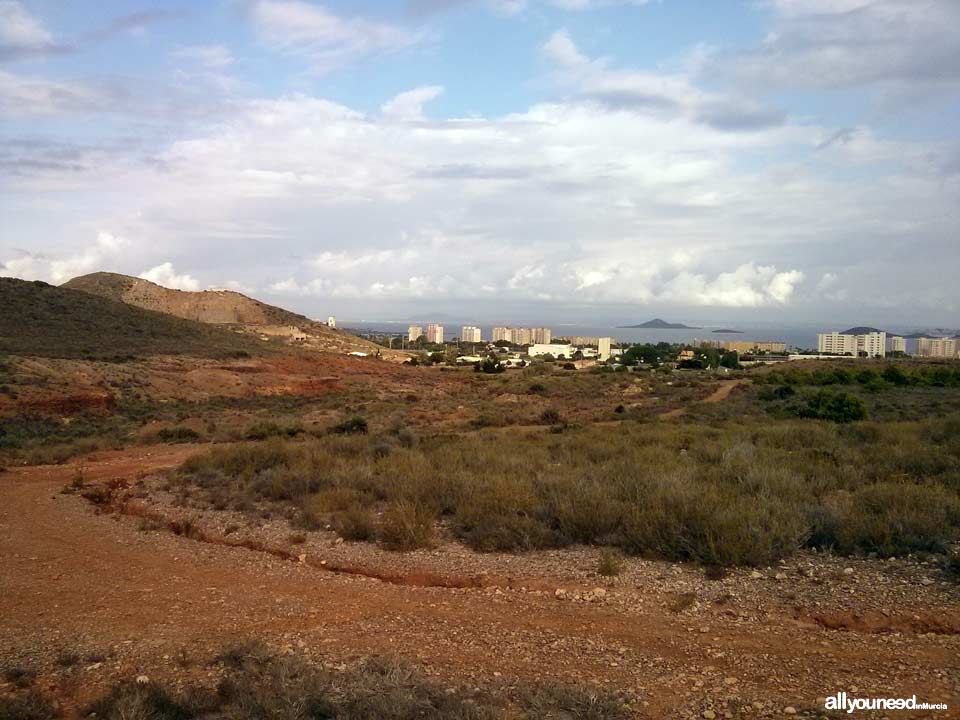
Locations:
(728, 330)
(658, 324)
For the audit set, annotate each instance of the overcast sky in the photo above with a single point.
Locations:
(602, 160)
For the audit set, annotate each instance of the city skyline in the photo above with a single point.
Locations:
(533, 159)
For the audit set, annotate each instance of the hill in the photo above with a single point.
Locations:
(658, 324)
(223, 307)
(860, 330)
(49, 321)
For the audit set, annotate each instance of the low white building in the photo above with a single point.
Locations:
(540, 349)
(331, 322)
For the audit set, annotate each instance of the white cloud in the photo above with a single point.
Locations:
(325, 39)
(19, 30)
(164, 274)
(409, 105)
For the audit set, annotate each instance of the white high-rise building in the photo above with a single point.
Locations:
(835, 343)
(937, 347)
(873, 344)
(502, 333)
(603, 348)
(897, 344)
(414, 332)
(470, 333)
(434, 333)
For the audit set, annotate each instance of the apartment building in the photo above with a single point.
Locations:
(470, 333)
(937, 347)
(603, 348)
(897, 344)
(749, 346)
(872, 344)
(523, 336)
(414, 332)
(434, 333)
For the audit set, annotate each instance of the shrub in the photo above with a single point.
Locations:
(610, 563)
(500, 515)
(178, 435)
(835, 407)
(889, 519)
(29, 706)
(355, 523)
(406, 526)
(351, 426)
(550, 416)
(265, 430)
(537, 389)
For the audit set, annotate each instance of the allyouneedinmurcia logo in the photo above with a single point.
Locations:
(842, 701)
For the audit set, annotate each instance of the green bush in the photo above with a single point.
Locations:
(835, 407)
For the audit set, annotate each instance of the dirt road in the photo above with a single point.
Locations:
(71, 578)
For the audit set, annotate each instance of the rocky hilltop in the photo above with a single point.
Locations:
(223, 307)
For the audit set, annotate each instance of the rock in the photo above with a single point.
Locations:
(848, 571)
(709, 715)
(790, 710)
(781, 576)
(142, 679)
(927, 581)
(756, 575)
(730, 681)
(599, 592)
(560, 594)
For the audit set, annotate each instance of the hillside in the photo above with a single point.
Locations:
(222, 307)
(658, 324)
(49, 321)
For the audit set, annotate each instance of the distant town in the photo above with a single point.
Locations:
(511, 347)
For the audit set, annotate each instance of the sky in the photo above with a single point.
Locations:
(497, 160)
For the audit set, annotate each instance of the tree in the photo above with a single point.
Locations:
(490, 366)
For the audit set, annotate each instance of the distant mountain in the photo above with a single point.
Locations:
(222, 307)
(48, 321)
(658, 324)
(860, 330)
(933, 333)
(726, 330)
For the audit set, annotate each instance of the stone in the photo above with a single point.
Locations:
(756, 575)
(709, 715)
(142, 679)
(790, 710)
(848, 571)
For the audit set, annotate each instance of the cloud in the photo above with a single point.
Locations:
(889, 46)
(409, 105)
(164, 274)
(667, 95)
(212, 57)
(319, 36)
(21, 34)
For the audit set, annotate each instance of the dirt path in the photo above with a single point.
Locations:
(721, 393)
(74, 579)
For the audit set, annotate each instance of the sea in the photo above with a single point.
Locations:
(801, 337)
